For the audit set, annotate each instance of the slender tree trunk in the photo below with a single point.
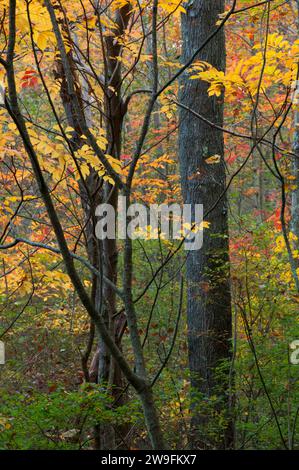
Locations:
(209, 299)
(108, 370)
(102, 254)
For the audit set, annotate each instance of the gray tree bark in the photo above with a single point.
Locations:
(209, 300)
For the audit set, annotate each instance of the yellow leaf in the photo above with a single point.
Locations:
(12, 127)
(214, 159)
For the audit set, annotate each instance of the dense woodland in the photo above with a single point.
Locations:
(136, 342)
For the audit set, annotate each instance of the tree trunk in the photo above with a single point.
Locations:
(93, 191)
(209, 299)
(108, 370)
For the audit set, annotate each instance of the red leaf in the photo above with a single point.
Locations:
(29, 79)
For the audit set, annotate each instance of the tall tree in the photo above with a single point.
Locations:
(209, 298)
(94, 190)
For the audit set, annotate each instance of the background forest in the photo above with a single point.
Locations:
(140, 344)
